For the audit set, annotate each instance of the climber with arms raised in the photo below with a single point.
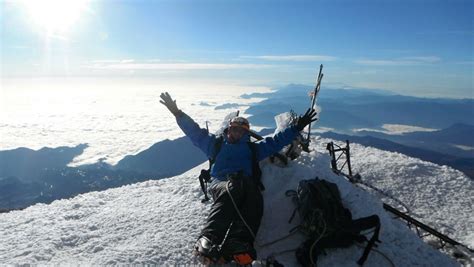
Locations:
(233, 187)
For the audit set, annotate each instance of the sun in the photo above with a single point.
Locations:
(54, 16)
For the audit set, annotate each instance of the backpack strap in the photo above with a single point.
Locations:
(364, 224)
(256, 171)
(205, 175)
(217, 149)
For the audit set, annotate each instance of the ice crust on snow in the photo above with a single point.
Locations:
(439, 196)
(157, 222)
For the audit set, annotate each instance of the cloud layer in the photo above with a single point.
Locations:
(417, 60)
(147, 65)
(293, 58)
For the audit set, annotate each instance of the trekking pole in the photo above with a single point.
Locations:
(314, 95)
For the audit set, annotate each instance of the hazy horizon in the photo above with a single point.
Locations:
(190, 83)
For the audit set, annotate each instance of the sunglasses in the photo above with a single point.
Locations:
(237, 130)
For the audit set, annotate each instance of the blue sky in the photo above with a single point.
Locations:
(422, 48)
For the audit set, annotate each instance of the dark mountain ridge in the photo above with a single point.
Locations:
(456, 140)
(347, 109)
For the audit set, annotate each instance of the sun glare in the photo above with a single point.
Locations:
(54, 16)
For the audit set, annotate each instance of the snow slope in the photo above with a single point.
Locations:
(157, 222)
(439, 196)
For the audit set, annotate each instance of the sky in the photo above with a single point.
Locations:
(420, 47)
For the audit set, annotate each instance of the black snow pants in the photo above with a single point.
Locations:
(249, 200)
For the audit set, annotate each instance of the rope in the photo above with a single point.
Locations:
(248, 227)
(316, 241)
(288, 235)
(238, 211)
(387, 195)
(359, 181)
(277, 240)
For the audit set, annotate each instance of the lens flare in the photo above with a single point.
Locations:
(54, 16)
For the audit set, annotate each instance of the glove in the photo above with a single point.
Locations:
(170, 103)
(306, 119)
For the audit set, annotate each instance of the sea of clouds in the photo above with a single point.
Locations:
(114, 117)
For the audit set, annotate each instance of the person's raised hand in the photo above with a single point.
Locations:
(169, 103)
(306, 119)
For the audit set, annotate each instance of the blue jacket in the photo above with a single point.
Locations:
(236, 157)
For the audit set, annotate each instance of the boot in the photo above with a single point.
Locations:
(207, 251)
(238, 246)
(242, 252)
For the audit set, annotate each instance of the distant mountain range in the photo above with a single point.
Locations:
(347, 109)
(456, 140)
(26, 163)
(164, 159)
(464, 164)
(42, 176)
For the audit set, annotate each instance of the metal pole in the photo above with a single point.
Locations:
(348, 157)
(315, 93)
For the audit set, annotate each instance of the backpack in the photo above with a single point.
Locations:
(326, 222)
(205, 175)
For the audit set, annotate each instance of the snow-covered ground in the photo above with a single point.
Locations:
(157, 222)
(439, 196)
